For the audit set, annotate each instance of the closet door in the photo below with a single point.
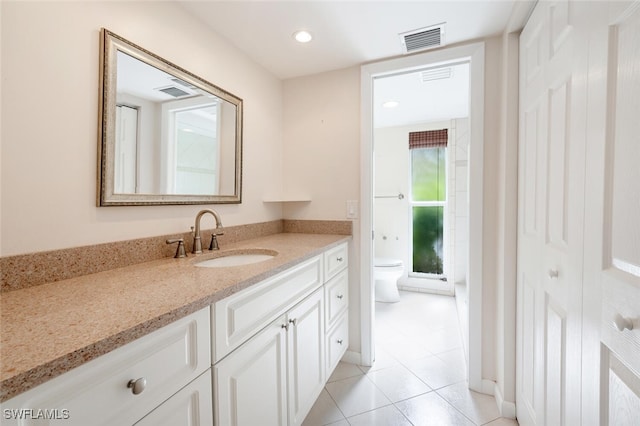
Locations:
(612, 254)
(553, 60)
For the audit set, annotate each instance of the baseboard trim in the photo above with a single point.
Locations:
(488, 387)
(507, 409)
(352, 357)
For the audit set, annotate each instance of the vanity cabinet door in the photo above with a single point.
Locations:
(191, 406)
(306, 355)
(250, 385)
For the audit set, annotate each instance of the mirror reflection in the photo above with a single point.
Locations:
(168, 137)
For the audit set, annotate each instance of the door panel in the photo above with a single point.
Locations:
(556, 362)
(624, 394)
(620, 271)
(528, 360)
(557, 158)
(551, 211)
(530, 175)
(254, 376)
(306, 340)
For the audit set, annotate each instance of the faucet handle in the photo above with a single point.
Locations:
(214, 242)
(180, 252)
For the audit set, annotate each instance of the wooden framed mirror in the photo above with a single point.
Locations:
(166, 136)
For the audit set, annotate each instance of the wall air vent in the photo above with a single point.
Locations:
(173, 91)
(423, 38)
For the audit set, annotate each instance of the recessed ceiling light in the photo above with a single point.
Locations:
(302, 36)
(390, 104)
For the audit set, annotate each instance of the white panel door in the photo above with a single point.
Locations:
(551, 214)
(250, 385)
(306, 355)
(126, 150)
(612, 254)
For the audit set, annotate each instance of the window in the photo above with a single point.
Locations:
(428, 200)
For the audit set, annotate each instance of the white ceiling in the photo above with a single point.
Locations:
(346, 33)
(421, 101)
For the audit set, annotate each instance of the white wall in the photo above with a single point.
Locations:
(459, 197)
(321, 143)
(50, 57)
(493, 53)
(322, 159)
(506, 211)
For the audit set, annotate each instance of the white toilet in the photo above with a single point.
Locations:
(386, 273)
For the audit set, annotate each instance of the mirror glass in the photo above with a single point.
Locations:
(167, 136)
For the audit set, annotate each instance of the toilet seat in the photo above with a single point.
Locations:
(385, 262)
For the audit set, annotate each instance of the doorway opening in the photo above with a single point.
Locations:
(471, 56)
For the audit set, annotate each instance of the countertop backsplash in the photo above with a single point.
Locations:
(32, 269)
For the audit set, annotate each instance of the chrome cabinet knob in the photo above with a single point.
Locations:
(621, 323)
(340, 296)
(553, 273)
(285, 326)
(339, 341)
(293, 321)
(137, 385)
(339, 259)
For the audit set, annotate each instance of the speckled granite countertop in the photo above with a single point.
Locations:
(52, 328)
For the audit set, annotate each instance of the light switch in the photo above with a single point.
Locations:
(352, 209)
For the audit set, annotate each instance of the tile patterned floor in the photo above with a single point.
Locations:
(418, 377)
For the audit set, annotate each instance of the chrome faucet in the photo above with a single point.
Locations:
(197, 244)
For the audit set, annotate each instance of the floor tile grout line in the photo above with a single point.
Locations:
(336, 404)
(404, 415)
(442, 396)
(456, 408)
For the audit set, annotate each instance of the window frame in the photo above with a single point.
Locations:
(444, 204)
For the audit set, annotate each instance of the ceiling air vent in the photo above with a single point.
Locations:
(436, 74)
(423, 38)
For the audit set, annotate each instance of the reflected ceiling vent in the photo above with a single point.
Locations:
(173, 91)
(182, 83)
(436, 74)
(423, 38)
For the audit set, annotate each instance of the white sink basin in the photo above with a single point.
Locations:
(235, 260)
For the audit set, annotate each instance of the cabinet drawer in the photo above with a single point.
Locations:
(240, 316)
(336, 297)
(337, 342)
(620, 298)
(335, 260)
(96, 393)
(192, 406)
